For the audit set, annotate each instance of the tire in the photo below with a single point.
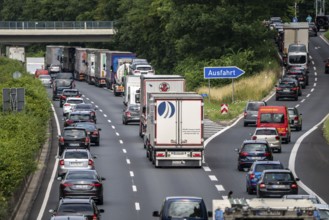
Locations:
(279, 150)
(320, 22)
(97, 143)
(245, 124)
(240, 168)
(100, 201)
(276, 98)
(296, 98)
(249, 190)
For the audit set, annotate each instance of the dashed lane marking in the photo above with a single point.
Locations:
(308, 95)
(207, 169)
(113, 127)
(120, 141)
(124, 151)
(297, 106)
(137, 206)
(109, 121)
(312, 90)
(131, 173)
(100, 110)
(92, 102)
(220, 187)
(316, 79)
(117, 134)
(314, 68)
(303, 100)
(105, 115)
(128, 161)
(213, 178)
(314, 84)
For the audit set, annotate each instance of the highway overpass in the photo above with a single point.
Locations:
(26, 32)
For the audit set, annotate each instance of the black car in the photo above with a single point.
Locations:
(73, 137)
(92, 130)
(68, 93)
(131, 113)
(82, 184)
(312, 30)
(251, 151)
(77, 207)
(277, 183)
(181, 208)
(301, 75)
(78, 116)
(286, 90)
(86, 107)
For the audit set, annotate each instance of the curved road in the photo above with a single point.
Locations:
(134, 188)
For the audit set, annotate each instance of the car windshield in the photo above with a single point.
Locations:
(81, 175)
(134, 108)
(74, 101)
(286, 85)
(76, 155)
(254, 106)
(181, 209)
(266, 132)
(272, 118)
(73, 93)
(254, 147)
(75, 208)
(262, 167)
(275, 177)
(77, 117)
(63, 82)
(74, 133)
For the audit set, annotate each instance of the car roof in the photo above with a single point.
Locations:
(79, 112)
(76, 149)
(183, 198)
(267, 162)
(277, 171)
(75, 200)
(68, 218)
(82, 170)
(73, 127)
(255, 142)
(265, 128)
(74, 98)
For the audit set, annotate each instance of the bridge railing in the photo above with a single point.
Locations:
(21, 25)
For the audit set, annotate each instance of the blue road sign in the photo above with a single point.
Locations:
(224, 72)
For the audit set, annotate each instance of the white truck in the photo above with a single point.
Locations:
(269, 208)
(132, 84)
(156, 83)
(174, 134)
(16, 53)
(100, 67)
(90, 76)
(80, 64)
(34, 63)
(54, 55)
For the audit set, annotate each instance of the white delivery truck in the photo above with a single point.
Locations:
(54, 55)
(34, 63)
(156, 83)
(100, 67)
(132, 84)
(174, 134)
(90, 76)
(16, 53)
(80, 65)
(269, 208)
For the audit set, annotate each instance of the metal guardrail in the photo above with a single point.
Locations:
(41, 25)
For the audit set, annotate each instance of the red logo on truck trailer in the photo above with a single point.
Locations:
(164, 87)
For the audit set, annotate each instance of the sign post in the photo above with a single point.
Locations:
(224, 72)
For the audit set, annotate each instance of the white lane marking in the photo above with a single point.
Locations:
(297, 106)
(310, 57)
(316, 79)
(87, 98)
(53, 174)
(207, 169)
(124, 151)
(92, 102)
(105, 116)
(113, 127)
(137, 206)
(134, 188)
(303, 100)
(128, 161)
(131, 173)
(312, 62)
(315, 74)
(293, 155)
(117, 133)
(83, 96)
(314, 84)
(120, 141)
(225, 197)
(312, 90)
(213, 178)
(308, 95)
(109, 121)
(100, 110)
(220, 188)
(314, 68)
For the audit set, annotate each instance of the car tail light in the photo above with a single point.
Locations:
(251, 176)
(94, 217)
(63, 97)
(277, 137)
(278, 89)
(61, 140)
(96, 184)
(87, 140)
(92, 113)
(267, 154)
(61, 162)
(262, 185)
(90, 162)
(254, 137)
(243, 154)
(137, 72)
(196, 154)
(294, 89)
(296, 118)
(160, 154)
(128, 114)
(95, 132)
(294, 186)
(69, 121)
(245, 114)
(67, 104)
(67, 184)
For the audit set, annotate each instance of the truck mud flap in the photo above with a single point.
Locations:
(178, 163)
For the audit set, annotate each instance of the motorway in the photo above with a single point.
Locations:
(134, 188)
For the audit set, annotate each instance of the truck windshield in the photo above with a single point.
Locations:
(297, 59)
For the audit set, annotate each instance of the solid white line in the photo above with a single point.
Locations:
(207, 169)
(137, 207)
(213, 178)
(312, 90)
(220, 187)
(83, 96)
(128, 161)
(52, 178)
(100, 110)
(134, 188)
(109, 121)
(105, 116)
(293, 155)
(303, 100)
(308, 95)
(124, 151)
(117, 133)
(131, 173)
(316, 79)
(120, 141)
(314, 84)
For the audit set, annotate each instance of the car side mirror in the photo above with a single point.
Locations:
(94, 157)
(59, 178)
(51, 210)
(236, 149)
(156, 214)
(297, 179)
(99, 129)
(101, 210)
(103, 178)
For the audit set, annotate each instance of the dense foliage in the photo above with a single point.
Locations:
(22, 134)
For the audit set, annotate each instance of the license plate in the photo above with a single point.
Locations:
(81, 186)
(75, 144)
(178, 153)
(178, 162)
(256, 158)
(76, 164)
(278, 186)
(286, 90)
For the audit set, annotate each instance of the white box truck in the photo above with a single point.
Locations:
(34, 63)
(54, 55)
(174, 134)
(156, 83)
(16, 53)
(100, 67)
(80, 64)
(90, 76)
(132, 84)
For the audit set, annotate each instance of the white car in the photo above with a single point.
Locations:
(270, 135)
(70, 103)
(140, 69)
(45, 80)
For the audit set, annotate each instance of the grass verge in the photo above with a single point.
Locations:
(326, 129)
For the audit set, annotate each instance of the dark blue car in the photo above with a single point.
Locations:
(256, 170)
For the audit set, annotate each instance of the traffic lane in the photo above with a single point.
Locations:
(319, 51)
(313, 163)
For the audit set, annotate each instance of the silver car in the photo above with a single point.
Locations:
(251, 112)
(295, 119)
(270, 135)
(75, 159)
(45, 80)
